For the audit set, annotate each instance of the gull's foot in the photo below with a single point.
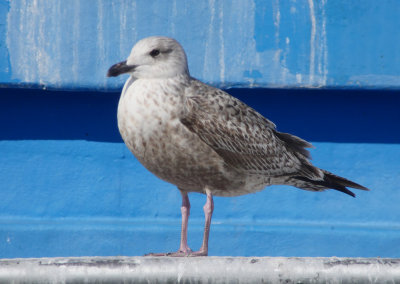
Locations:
(200, 252)
(185, 252)
(179, 253)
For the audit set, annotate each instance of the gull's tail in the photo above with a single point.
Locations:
(329, 181)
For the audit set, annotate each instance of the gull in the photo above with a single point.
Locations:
(204, 140)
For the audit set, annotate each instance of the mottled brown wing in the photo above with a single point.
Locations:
(241, 136)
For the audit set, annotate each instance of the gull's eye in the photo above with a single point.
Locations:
(154, 52)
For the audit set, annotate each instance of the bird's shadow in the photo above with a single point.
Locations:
(320, 115)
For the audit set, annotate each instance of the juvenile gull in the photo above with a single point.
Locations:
(202, 139)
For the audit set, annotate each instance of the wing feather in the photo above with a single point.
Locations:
(242, 137)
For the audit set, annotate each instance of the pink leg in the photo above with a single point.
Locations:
(184, 249)
(208, 210)
(185, 209)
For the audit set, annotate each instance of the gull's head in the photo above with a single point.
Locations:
(153, 57)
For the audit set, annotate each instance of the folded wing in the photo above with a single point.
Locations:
(242, 137)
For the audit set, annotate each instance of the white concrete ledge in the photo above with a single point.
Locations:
(200, 270)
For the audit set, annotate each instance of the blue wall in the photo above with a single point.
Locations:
(70, 187)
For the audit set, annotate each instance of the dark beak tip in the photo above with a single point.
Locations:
(110, 73)
(118, 69)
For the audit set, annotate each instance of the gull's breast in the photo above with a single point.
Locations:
(148, 120)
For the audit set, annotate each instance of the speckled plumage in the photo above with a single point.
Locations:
(202, 139)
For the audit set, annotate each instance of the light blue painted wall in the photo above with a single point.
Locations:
(71, 44)
(70, 192)
(67, 199)
(95, 166)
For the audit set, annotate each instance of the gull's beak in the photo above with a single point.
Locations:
(120, 68)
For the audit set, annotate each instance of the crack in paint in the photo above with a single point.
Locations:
(312, 42)
(222, 47)
(318, 45)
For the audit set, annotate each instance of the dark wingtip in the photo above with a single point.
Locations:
(343, 181)
(340, 183)
(345, 190)
(358, 186)
(332, 181)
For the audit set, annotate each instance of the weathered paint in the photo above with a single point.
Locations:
(67, 178)
(304, 43)
(200, 270)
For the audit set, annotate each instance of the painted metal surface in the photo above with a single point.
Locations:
(70, 187)
(200, 270)
(70, 44)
